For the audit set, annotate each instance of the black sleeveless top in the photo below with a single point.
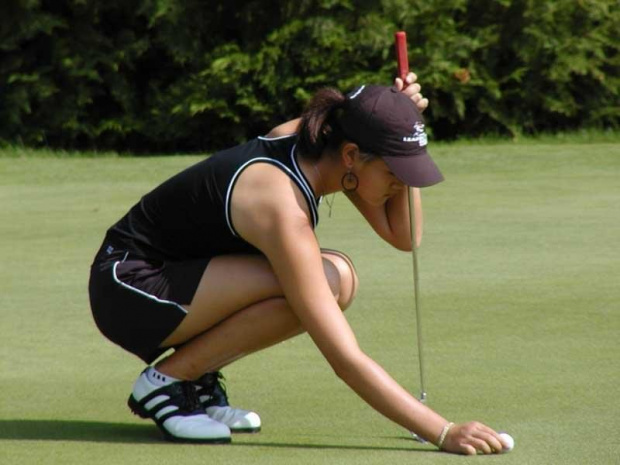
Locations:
(188, 216)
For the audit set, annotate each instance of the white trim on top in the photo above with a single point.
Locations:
(141, 292)
(277, 138)
(357, 92)
(285, 168)
(309, 192)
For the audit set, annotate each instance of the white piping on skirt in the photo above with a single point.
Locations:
(145, 294)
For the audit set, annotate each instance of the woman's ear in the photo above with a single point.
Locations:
(349, 153)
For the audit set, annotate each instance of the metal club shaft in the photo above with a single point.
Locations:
(416, 291)
(400, 41)
(418, 310)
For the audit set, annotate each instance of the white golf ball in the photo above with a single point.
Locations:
(508, 440)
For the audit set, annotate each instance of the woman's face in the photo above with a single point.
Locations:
(376, 182)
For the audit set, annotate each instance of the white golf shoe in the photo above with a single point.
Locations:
(214, 400)
(176, 410)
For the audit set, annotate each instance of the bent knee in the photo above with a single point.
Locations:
(341, 276)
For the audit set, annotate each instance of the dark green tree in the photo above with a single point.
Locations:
(197, 75)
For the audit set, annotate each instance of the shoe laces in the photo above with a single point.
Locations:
(188, 399)
(212, 385)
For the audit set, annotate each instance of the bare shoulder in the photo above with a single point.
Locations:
(285, 129)
(264, 201)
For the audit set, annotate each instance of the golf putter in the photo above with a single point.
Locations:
(403, 69)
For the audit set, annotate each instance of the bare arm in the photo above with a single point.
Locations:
(282, 231)
(391, 220)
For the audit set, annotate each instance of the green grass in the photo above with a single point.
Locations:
(519, 279)
(582, 136)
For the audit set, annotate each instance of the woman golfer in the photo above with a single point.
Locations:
(221, 260)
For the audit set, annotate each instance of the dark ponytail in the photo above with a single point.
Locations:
(319, 128)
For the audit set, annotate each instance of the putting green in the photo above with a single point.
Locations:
(519, 280)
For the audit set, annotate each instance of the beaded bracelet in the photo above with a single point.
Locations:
(444, 433)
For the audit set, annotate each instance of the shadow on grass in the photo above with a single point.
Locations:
(70, 430)
(95, 431)
(329, 446)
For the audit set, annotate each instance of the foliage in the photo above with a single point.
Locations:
(173, 75)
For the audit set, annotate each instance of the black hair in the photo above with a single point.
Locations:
(319, 128)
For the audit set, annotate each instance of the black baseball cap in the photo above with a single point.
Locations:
(383, 121)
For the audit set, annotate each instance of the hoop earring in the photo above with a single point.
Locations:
(349, 179)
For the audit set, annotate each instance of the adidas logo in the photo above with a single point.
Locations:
(418, 135)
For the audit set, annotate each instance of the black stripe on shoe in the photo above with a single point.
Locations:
(182, 396)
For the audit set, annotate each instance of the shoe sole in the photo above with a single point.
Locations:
(214, 441)
(138, 410)
(245, 430)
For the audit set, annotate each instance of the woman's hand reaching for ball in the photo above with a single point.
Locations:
(473, 438)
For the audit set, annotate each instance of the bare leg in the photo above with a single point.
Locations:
(239, 309)
(241, 334)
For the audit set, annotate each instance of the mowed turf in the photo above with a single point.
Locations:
(520, 281)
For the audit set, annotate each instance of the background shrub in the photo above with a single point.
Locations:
(192, 75)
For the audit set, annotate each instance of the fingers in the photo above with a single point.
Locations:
(412, 90)
(418, 98)
(492, 438)
(409, 79)
(474, 438)
(481, 446)
(469, 450)
(422, 104)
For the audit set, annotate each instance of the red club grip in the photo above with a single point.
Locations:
(400, 39)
